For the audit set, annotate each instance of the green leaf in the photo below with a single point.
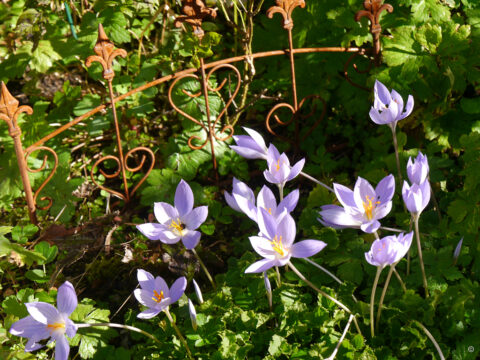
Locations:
(49, 252)
(37, 275)
(470, 106)
(44, 56)
(21, 234)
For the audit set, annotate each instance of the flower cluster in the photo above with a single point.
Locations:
(417, 196)
(45, 321)
(177, 222)
(362, 207)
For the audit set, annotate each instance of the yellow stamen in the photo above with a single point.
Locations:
(157, 297)
(269, 210)
(56, 326)
(369, 206)
(277, 245)
(278, 165)
(177, 226)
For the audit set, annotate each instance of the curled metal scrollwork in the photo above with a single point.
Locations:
(118, 169)
(108, 176)
(295, 116)
(41, 168)
(139, 167)
(347, 65)
(210, 127)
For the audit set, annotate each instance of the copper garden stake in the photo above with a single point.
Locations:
(9, 112)
(373, 9)
(106, 53)
(195, 11)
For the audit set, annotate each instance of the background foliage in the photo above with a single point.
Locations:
(430, 50)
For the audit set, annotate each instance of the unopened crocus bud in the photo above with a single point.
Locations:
(457, 251)
(193, 314)
(198, 292)
(268, 287)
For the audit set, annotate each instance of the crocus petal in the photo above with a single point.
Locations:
(385, 189)
(183, 198)
(361, 191)
(149, 313)
(266, 200)
(43, 312)
(247, 153)
(344, 195)
(61, 348)
(195, 218)
(164, 212)
(271, 177)
(307, 248)
(246, 206)
(288, 230)
(66, 298)
(370, 227)
(231, 201)
(193, 314)
(336, 215)
(191, 239)
(169, 237)
(32, 345)
(263, 247)
(381, 92)
(198, 291)
(383, 210)
(376, 116)
(458, 249)
(28, 327)
(266, 223)
(289, 202)
(145, 298)
(161, 285)
(408, 109)
(257, 138)
(146, 280)
(260, 266)
(70, 328)
(152, 231)
(426, 192)
(370, 259)
(296, 169)
(177, 289)
(399, 100)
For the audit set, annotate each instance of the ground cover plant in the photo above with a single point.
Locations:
(360, 242)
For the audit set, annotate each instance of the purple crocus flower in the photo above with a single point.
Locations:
(245, 197)
(389, 250)
(417, 170)
(45, 321)
(388, 107)
(279, 170)
(243, 200)
(251, 146)
(276, 243)
(155, 294)
(362, 207)
(177, 222)
(416, 197)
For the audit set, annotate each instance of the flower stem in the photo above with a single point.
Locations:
(122, 326)
(331, 357)
(324, 270)
(316, 181)
(279, 279)
(205, 269)
(397, 158)
(408, 253)
(384, 291)
(420, 256)
(280, 190)
(402, 284)
(430, 336)
(300, 275)
(179, 334)
(372, 299)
